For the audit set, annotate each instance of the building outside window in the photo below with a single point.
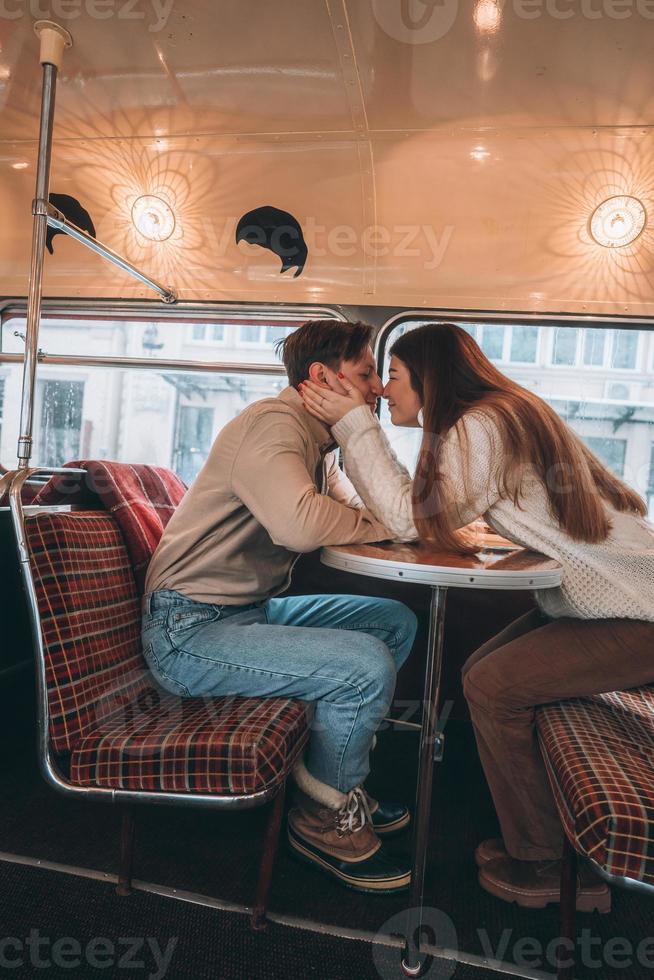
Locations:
(564, 350)
(506, 344)
(594, 347)
(194, 434)
(208, 332)
(611, 451)
(625, 349)
(524, 345)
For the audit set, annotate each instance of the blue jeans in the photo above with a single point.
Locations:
(341, 652)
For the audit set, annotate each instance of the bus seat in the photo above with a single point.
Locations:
(599, 753)
(142, 498)
(109, 730)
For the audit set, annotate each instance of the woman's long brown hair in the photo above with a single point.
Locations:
(452, 376)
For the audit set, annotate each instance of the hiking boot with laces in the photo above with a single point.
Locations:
(342, 843)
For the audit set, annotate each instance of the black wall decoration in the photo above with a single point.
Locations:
(73, 211)
(277, 231)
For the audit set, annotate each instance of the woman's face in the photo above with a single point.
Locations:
(403, 402)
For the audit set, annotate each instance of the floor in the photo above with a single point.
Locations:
(203, 866)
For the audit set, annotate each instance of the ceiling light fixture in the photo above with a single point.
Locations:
(618, 221)
(487, 16)
(153, 218)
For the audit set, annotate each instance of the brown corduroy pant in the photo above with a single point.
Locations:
(535, 661)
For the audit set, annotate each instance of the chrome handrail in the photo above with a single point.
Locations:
(47, 763)
(152, 364)
(59, 221)
(5, 481)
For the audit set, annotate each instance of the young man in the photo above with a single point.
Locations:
(212, 625)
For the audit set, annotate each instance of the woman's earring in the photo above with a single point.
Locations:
(421, 417)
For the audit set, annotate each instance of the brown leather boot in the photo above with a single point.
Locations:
(488, 850)
(346, 833)
(535, 884)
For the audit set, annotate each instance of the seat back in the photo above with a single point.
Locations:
(89, 611)
(142, 498)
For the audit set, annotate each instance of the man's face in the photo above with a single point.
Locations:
(362, 373)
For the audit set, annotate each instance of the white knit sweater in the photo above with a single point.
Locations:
(612, 579)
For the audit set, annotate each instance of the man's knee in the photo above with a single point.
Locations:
(402, 625)
(408, 623)
(376, 672)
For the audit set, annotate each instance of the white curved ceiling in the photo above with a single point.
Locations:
(435, 153)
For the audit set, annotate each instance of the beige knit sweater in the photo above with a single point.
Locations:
(612, 579)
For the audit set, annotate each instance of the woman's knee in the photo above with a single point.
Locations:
(481, 685)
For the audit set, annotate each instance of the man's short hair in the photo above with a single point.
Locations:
(327, 341)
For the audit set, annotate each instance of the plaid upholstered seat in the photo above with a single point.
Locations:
(599, 753)
(142, 498)
(120, 729)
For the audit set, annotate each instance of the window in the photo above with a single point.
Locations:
(159, 415)
(615, 418)
(193, 439)
(251, 334)
(564, 350)
(625, 349)
(208, 332)
(650, 487)
(594, 344)
(524, 345)
(500, 342)
(61, 421)
(610, 451)
(275, 334)
(492, 342)
(2, 405)
(169, 339)
(599, 348)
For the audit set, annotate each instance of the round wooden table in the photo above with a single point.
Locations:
(494, 568)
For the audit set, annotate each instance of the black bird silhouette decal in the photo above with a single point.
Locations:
(277, 231)
(73, 210)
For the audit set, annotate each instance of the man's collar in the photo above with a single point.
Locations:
(319, 432)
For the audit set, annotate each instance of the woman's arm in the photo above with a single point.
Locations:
(383, 483)
(471, 462)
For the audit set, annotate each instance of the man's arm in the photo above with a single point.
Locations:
(271, 478)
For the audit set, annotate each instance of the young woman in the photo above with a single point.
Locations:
(492, 448)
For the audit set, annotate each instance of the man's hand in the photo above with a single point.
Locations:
(331, 402)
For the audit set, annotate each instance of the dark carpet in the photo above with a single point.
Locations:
(59, 926)
(217, 854)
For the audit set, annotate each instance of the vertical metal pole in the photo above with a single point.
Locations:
(36, 264)
(430, 749)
